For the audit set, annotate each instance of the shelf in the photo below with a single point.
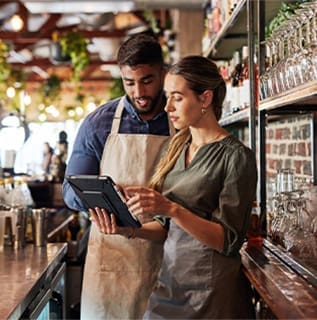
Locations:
(234, 34)
(239, 116)
(224, 30)
(305, 94)
(287, 294)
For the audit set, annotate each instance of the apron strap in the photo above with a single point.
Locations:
(117, 119)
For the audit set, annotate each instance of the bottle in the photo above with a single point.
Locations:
(244, 80)
(254, 235)
(8, 187)
(236, 75)
(74, 229)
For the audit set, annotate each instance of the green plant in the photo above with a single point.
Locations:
(5, 67)
(152, 21)
(284, 13)
(116, 89)
(75, 45)
(51, 89)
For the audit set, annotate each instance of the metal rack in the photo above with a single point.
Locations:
(255, 14)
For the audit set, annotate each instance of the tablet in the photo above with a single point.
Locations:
(101, 191)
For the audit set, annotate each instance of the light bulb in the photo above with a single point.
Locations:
(16, 23)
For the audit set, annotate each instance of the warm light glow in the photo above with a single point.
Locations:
(91, 106)
(27, 99)
(79, 111)
(16, 23)
(71, 113)
(10, 92)
(42, 117)
(41, 107)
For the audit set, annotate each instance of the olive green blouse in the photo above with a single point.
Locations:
(219, 185)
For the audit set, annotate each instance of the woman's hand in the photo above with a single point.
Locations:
(107, 223)
(147, 202)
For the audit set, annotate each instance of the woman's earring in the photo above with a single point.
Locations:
(203, 111)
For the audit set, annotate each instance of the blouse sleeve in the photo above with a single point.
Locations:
(236, 198)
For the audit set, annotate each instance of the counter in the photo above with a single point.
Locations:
(23, 273)
(288, 294)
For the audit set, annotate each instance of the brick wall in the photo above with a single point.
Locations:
(288, 144)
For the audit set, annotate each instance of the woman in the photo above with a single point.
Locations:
(201, 197)
(47, 157)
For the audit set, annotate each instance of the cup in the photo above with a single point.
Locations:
(2, 227)
(19, 226)
(39, 224)
(285, 180)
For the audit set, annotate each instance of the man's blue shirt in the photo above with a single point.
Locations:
(92, 135)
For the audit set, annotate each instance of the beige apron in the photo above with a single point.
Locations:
(120, 273)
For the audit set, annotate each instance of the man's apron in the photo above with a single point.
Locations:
(120, 273)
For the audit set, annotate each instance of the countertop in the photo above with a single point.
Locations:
(288, 294)
(23, 272)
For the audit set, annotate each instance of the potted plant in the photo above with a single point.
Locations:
(51, 89)
(5, 67)
(74, 45)
(56, 53)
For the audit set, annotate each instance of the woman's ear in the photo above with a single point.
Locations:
(206, 97)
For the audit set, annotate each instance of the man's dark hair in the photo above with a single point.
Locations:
(140, 49)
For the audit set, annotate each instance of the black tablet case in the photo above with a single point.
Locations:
(99, 191)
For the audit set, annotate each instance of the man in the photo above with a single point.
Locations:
(122, 139)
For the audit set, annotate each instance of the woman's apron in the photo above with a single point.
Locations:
(120, 273)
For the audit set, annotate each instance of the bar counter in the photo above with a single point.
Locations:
(23, 272)
(287, 293)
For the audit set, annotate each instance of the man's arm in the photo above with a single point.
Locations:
(85, 159)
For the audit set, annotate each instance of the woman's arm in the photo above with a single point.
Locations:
(107, 224)
(145, 201)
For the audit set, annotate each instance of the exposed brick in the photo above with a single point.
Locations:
(307, 169)
(279, 164)
(268, 148)
(270, 134)
(271, 164)
(296, 133)
(305, 131)
(291, 149)
(288, 163)
(286, 133)
(301, 149)
(298, 166)
(282, 150)
(278, 134)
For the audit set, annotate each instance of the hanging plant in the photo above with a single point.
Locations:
(5, 67)
(116, 89)
(51, 89)
(152, 21)
(74, 45)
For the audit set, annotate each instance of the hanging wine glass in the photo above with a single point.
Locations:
(265, 82)
(305, 55)
(291, 70)
(312, 6)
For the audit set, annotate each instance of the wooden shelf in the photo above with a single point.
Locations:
(240, 116)
(305, 94)
(224, 29)
(288, 294)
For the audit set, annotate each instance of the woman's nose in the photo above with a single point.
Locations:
(169, 106)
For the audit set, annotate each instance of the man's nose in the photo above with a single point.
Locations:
(139, 90)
